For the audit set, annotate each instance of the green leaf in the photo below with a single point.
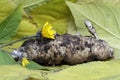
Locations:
(100, 2)
(5, 8)
(56, 12)
(25, 29)
(9, 26)
(6, 59)
(16, 72)
(30, 4)
(99, 70)
(106, 21)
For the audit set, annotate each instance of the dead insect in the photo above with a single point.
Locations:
(65, 49)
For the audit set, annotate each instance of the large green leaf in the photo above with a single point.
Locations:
(106, 21)
(108, 70)
(56, 12)
(25, 29)
(6, 59)
(5, 8)
(100, 2)
(16, 72)
(9, 26)
(30, 4)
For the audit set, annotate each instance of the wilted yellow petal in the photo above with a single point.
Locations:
(48, 32)
(25, 62)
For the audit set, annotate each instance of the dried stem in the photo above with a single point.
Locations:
(91, 29)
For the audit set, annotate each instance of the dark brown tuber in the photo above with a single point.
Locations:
(66, 49)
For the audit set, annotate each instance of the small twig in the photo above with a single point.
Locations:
(10, 43)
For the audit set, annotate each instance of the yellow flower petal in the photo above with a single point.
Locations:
(25, 62)
(48, 32)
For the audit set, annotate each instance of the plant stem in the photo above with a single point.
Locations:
(23, 38)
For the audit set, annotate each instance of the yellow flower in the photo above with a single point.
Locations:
(25, 62)
(48, 32)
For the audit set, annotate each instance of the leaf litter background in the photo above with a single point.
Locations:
(66, 16)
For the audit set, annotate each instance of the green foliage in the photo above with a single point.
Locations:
(108, 70)
(16, 72)
(5, 8)
(6, 59)
(9, 26)
(100, 2)
(65, 17)
(30, 4)
(53, 12)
